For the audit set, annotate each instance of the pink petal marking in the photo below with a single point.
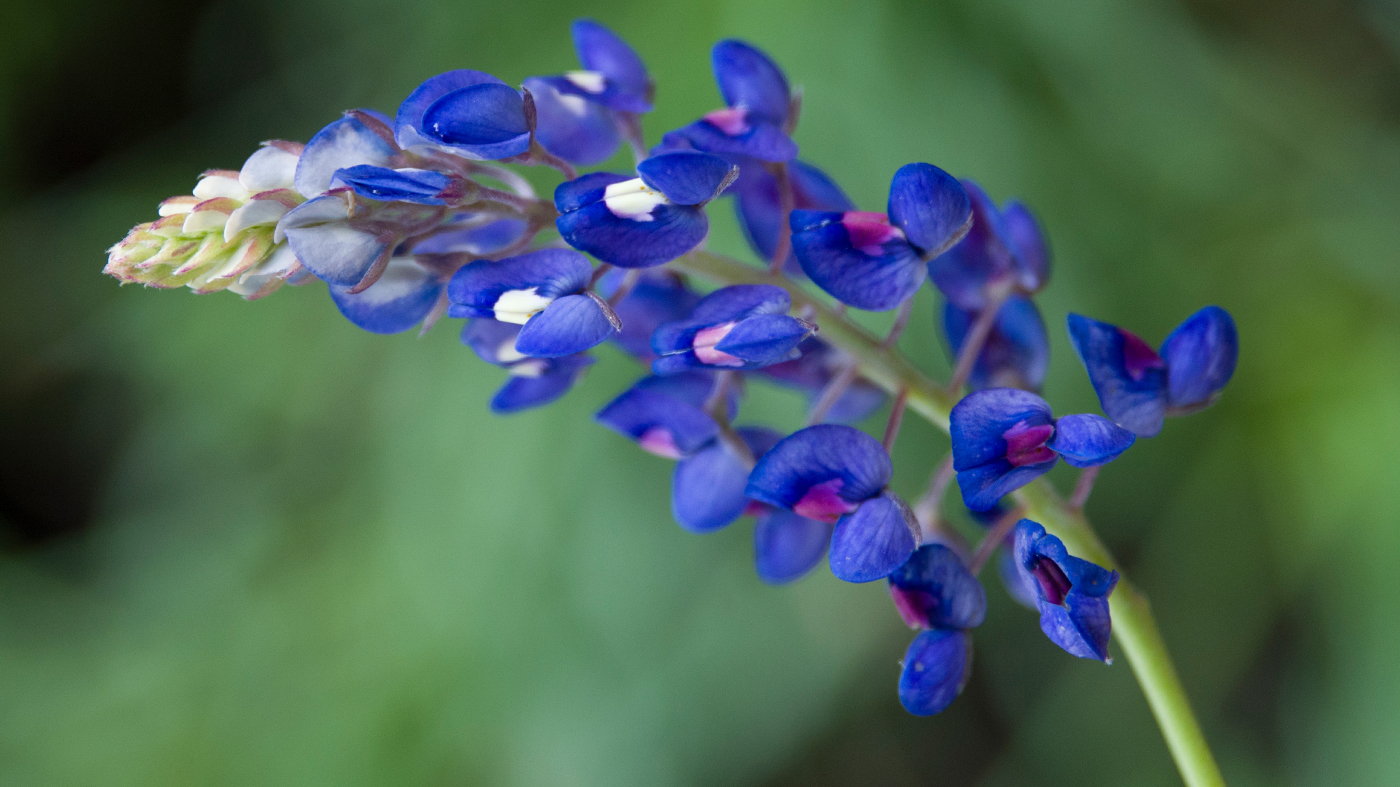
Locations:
(732, 120)
(704, 345)
(823, 503)
(869, 231)
(1025, 445)
(913, 606)
(1138, 356)
(659, 440)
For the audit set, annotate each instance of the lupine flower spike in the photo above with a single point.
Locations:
(1138, 387)
(1072, 593)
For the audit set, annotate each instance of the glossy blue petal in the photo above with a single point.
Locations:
(764, 339)
(1089, 440)
(479, 241)
(727, 304)
(673, 405)
(749, 78)
(486, 120)
(421, 186)
(600, 49)
(759, 205)
(660, 296)
(569, 325)
(522, 392)
(707, 489)
(328, 245)
(585, 190)
(492, 341)
(1072, 593)
(627, 243)
(930, 206)
(1200, 356)
(978, 422)
(1016, 353)
(397, 301)
(933, 589)
(344, 143)
(874, 540)
(552, 273)
(983, 486)
(865, 281)
(787, 546)
(936, 668)
(981, 258)
(571, 128)
(763, 141)
(686, 177)
(408, 124)
(816, 455)
(1130, 379)
(1028, 243)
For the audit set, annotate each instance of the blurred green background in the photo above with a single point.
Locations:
(248, 544)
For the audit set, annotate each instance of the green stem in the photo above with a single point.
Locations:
(1133, 625)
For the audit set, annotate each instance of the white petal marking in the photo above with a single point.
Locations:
(633, 199)
(588, 81)
(518, 306)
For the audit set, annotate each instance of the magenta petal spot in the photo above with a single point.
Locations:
(754, 508)
(659, 440)
(1054, 585)
(704, 345)
(915, 607)
(869, 231)
(823, 503)
(1025, 445)
(1138, 357)
(732, 121)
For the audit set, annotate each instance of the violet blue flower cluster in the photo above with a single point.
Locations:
(417, 215)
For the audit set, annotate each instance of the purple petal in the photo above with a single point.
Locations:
(571, 128)
(787, 546)
(1089, 440)
(874, 540)
(707, 490)
(485, 120)
(1072, 593)
(686, 177)
(671, 231)
(725, 305)
(1200, 356)
(421, 186)
(980, 420)
(930, 206)
(569, 325)
(817, 455)
(875, 282)
(933, 589)
(1016, 353)
(1128, 376)
(749, 78)
(936, 668)
(408, 125)
(666, 409)
(344, 143)
(397, 301)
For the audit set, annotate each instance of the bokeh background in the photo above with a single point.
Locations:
(248, 544)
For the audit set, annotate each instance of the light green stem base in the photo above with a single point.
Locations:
(1133, 625)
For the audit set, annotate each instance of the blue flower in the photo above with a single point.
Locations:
(533, 381)
(545, 291)
(1072, 593)
(1139, 387)
(1004, 438)
(421, 186)
(758, 108)
(469, 113)
(786, 545)
(409, 130)
(1003, 248)
(838, 474)
(936, 668)
(935, 592)
(707, 489)
(659, 296)
(744, 326)
(613, 75)
(401, 298)
(1016, 353)
(758, 203)
(875, 261)
(666, 415)
(647, 220)
(813, 372)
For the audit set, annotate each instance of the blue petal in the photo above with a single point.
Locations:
(1081, 626)
(686, 177)
(600, 49)
(1136, 402)
(981, 258)
(1200, 356)
(569, 325)
(874, 540)
(477, 286)
(816, 455)
(930, 206)
(522, 393)
(328, 245)
(570, 127)
(748, 78)
(707, 490)
(1016, 353)
(345, 143)
(950, 596)
(982, 487)
(786, 546)
(408, 124)
(1089, 440)
(421, 186)
(979, 420)
(1027, 242)
(671, 403)
(764, 339)
(865, 281)
(763, 141)
(397, 301)
(492, 341)
(1080, 622)
(486, 120)
(759, 206)
(660, 296)
(627, 243)
(478, 241)
(584, 191)
(936, 668)
(727, 304)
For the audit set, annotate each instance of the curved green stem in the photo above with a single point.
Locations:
(1133, 625)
